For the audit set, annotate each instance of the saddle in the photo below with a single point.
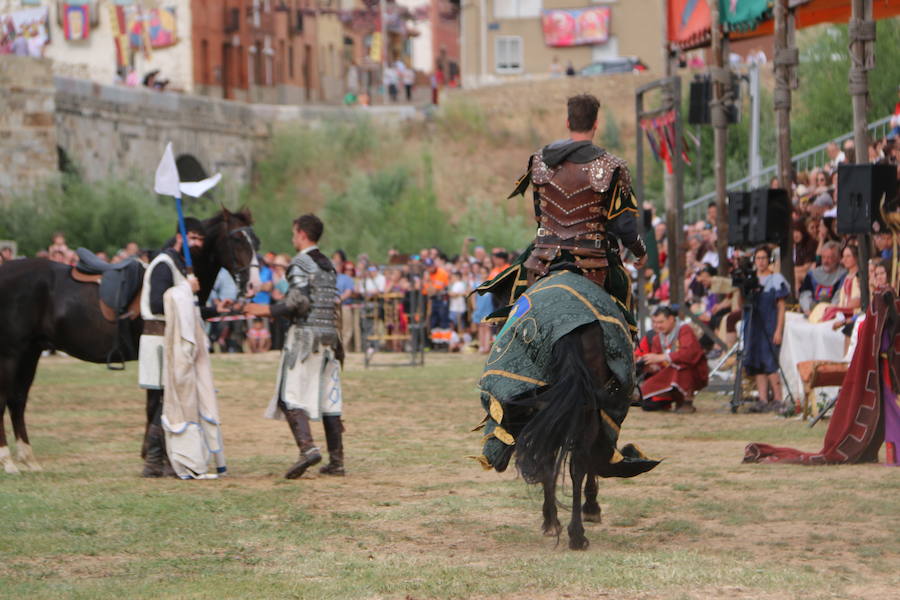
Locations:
(120, 283)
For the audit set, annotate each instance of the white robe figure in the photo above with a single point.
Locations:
(190, 416)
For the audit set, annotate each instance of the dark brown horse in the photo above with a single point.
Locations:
(42, 307)
(572, 423)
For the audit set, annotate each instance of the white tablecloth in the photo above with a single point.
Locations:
(804, 341)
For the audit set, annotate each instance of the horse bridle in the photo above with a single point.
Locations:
(246, 232)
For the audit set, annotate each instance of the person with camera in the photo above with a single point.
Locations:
(764, 303)
(673, 363)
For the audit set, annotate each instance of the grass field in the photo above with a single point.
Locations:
(416, 519)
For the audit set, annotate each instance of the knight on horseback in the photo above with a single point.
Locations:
(558, 380)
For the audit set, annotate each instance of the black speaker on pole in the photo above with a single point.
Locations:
(770, 216)
(758, 217)
(701, 95)
(860, 189)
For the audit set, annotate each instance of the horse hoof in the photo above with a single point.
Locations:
(10, 468)
(578, 543)
(592, 517)
(552, 529)
(25, 456)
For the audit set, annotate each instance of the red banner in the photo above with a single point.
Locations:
(689, 23)
(576, 27)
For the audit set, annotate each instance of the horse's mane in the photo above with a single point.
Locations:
(213, 223)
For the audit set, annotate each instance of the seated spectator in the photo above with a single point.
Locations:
(676, 365)
(822, 282)
(258, 337)
(847, 300)
(804, 253)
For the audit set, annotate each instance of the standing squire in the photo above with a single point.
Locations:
(308, 385)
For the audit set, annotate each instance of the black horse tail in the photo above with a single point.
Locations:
(567, 418)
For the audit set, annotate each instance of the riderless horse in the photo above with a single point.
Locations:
(46, 305)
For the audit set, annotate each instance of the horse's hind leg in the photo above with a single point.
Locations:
(577, 541)
(591, 509)
(24, 378)
(551, 526)
(7, 374)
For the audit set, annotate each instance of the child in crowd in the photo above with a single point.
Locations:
(258, 337)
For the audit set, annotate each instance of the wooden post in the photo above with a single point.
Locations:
(639, 195)
(678, 265)
(862, 58)
(720, 78)
(784, 63)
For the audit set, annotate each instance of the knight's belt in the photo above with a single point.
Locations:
(592, 241)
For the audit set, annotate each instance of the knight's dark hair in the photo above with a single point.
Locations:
(311, 225)
(666, 311)
(582, 112)
(191, 224)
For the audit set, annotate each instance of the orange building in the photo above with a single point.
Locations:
(267, 51)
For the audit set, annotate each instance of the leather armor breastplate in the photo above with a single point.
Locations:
(572, 202)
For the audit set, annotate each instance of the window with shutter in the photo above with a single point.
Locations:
(508, 54)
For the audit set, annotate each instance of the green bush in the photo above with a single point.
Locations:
(100, 216)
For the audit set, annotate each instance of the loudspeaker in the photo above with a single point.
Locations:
(860, 189)
(770, 216)
(738, 219)
(757, 217)
(701, 95)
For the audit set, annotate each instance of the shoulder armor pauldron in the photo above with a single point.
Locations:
(540, 172)
(603, 170)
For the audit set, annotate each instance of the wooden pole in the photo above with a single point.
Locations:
(785, 60)
(677, 275)
(674, 247)
(720, 135)
(862, 33)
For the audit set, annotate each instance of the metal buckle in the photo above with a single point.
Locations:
(598, 242)
(541, 232)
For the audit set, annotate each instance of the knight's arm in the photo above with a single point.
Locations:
(623, 215)
(296, 302)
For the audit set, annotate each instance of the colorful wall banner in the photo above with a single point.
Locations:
(30, 24)
(76, 21)
(576, 27)
(689, 23)
(743, 15)
(161, 27)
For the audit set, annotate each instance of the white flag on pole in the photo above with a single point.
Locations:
(195, 189)
(167, 182)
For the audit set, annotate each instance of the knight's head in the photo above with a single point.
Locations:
(582, 113)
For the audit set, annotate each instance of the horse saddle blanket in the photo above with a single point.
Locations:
(555, 305)
(520, 364)
(120, 283)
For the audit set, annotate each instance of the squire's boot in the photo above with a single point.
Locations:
(309, 454)
(155, 459)
(334, 430)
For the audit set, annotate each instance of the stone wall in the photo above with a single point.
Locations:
(28, 140)
(110, 131)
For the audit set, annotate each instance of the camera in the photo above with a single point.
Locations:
(745, 279)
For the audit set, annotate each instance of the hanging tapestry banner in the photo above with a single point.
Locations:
(743, 15)
(29, 26)
(580, 27)
(689, 23)
(76, 21)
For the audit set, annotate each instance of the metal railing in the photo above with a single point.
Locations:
(812, 158)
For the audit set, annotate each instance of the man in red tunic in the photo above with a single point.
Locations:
(675, 364)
